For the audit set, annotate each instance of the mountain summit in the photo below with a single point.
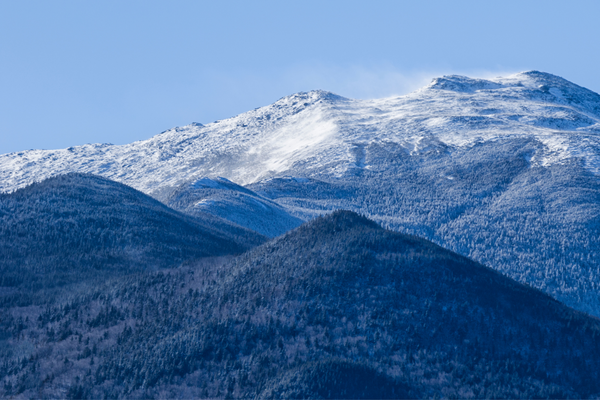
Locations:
(317, 131)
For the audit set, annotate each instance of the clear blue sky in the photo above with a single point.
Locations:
(76, 72)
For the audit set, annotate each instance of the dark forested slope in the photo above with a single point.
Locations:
(72, 227)
(337, 308)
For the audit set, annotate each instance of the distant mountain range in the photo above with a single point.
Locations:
(322, 134)
(504, 171)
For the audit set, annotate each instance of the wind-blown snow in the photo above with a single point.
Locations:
(321, 132)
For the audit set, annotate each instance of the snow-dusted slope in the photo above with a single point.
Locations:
(319, 132)
(222, 198)
(244, 148)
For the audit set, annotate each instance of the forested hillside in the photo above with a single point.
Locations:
(337, 308)
(73, 228)
(540, 226)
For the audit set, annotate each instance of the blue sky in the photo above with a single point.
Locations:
(76, 72)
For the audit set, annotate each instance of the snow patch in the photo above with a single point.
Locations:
(557, 93)
(204, 203)
(207, 183)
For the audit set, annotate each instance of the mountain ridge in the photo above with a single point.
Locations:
(504, 171)
(327, 109)
(77, 228)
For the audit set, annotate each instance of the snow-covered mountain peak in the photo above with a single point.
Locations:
(320, 132)
(549, 88)
(534, 79)
(529, 84)
(458, 83)
(262, 118)
(311, 97)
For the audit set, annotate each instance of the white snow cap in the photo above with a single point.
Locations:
(321, 132)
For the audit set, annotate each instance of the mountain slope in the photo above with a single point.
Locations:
(319, 131)
(334, 303)
(539, 225)
(504, 171)
(223, 198)
(70, 228)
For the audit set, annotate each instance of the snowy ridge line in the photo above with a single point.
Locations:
(319, 132)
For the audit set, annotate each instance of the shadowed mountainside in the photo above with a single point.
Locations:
(76, 227)
(335, 302)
